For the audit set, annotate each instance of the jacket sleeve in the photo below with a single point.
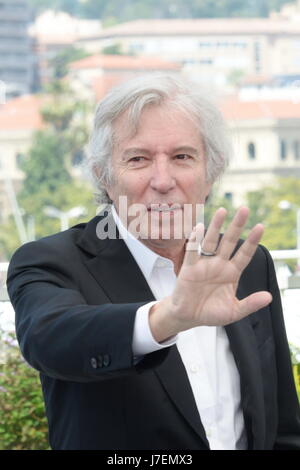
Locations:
(288, 434)
(59, 333)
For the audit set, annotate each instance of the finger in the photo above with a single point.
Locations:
(254, 302)
(211, 239)
(233, 233)
(246, 251)
(192, 246)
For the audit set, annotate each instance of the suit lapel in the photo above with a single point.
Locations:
(115, 270)
(112, 265)
(172, 375)
(244, 348)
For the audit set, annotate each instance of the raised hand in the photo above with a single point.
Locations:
(205, 292)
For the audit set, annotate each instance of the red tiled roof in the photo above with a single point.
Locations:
(232, 107)
(21, 113)
(235, 109)
(57, 40)
(102, 84)
(202, 26)
(123, 62)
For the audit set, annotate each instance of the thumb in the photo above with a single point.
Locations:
(254, 302)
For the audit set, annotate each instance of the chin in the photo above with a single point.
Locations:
(163, 232)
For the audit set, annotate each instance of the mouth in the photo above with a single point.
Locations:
(163, 207)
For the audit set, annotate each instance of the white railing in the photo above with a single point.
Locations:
(3, 267)
(285, 254)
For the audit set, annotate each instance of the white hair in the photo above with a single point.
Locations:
(134, 96)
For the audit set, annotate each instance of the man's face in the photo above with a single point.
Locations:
(161, 167)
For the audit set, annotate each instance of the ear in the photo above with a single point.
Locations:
(97, 174)
(96, 171)
(110, 192)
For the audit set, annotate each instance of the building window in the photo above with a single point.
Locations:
(251, 151)
(136, 48)
(297, 150)
(257, 56)
(20, 157)
(205, 44)
(283, 150)
(206, 61)
(228, 197)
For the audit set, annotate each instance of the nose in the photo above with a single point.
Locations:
(162, 179)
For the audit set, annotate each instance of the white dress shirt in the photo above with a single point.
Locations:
(204, 350)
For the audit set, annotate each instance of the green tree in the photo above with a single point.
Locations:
(49, 167)
(61, 61)
(114, 49)
(280, 225)
(70, 6)
(45, 168)
(215, 201)
(23, 423)
(236, 76)
(127, 10)
(9, 239)
(48, 183)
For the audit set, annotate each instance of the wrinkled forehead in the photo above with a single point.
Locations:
(128, 123)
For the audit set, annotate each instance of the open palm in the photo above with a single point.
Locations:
(205, 292)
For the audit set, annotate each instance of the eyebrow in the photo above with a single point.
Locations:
(186, 149)
(134, 150)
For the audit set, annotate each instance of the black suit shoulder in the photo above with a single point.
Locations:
(62, 244)
(58, 288)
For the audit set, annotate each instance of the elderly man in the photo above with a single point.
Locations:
(144, 340)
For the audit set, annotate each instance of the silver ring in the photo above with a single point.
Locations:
(207, 253)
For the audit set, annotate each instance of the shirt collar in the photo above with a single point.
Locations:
(145, 258)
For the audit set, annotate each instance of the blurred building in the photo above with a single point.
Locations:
(93, 76)
(16, 58)
(19, 119)
(265, 134)
(219, 50)
(54, 31)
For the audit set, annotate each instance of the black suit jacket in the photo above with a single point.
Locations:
(75, 299)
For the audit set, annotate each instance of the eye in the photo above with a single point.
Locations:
(136, 159)
(183, 156)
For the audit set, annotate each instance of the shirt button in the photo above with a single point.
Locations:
(164, 263)
(194, 368)
(106, 360)
(100, 361)
(94, 363)
(160, 263)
